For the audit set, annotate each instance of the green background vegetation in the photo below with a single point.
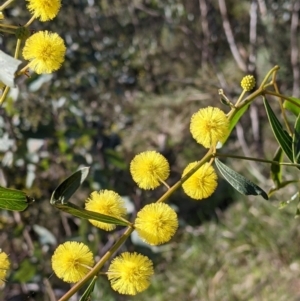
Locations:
(135, 72)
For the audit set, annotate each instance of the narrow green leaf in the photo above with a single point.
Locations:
(292, 107)
(239, 182)
(86, 214)
(282, 137)
(276, 169)
(235, 120)
(87, 294)
(68, 187)
(296, 141)
(12, 199)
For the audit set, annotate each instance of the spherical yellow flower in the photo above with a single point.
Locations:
(45, 10)
(106, 202)
(4, 266)
(209, 126)
(248, 82)
(156, 223)
(45, 51)
(148, 169)
(130, 273)
(202, 183)
(71, 261)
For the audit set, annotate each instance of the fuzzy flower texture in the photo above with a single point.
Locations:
(71, 261)
(4, 266)
(149, 169)
(44, 10)
(156, 223)
(106, 202)
(45, 51)
(130, 273)
(248, 83)
(202, 183)
(209, 126)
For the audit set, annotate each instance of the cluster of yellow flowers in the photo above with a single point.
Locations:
(155, 223)
(44, 50)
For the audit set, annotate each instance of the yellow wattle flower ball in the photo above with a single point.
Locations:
(209, 126)
(148, 169)
(71, 261)
(44, 10)
(106, 202)
(202, 183)
(45, 51)
(130, 273)
(4, 266)
(156, 223)
(248, 82)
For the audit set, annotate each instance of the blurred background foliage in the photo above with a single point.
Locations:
(135, 72)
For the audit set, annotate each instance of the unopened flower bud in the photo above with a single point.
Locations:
(248, 82)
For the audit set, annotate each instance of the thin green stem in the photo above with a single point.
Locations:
(9, 26)
(6, 90)
(282, 96)
(18, 46)
(165, 196)
(240, 98)
(5, 4)
(23, 70)
(96, 269)
(30, 21)
(274, 69)
(165, 183)
(245, 102)
(6, 31)
(219, 155)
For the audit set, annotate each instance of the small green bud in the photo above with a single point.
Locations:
(223, 98)
(22, 33)
(248, 82)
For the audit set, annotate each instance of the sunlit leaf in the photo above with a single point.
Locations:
(276, 169)
(282, 137)
(87, 294)
(239, 182)
(68, 187)
(12, 199)
(8, 68)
